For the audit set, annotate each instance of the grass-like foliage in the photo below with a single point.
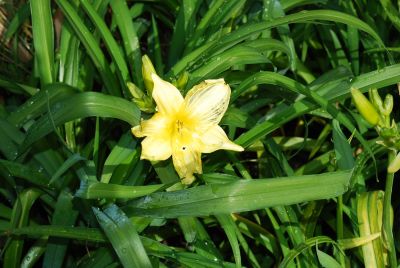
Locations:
(312, 187)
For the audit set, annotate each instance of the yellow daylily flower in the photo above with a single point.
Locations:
(186, 127)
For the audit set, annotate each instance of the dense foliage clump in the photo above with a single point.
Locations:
(314, 87)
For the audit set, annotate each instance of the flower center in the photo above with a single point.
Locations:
(184, 134)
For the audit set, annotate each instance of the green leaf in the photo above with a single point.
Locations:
(338, 89)
(311, 242)
(38, 103)
(86, 104)
(10, 138)
(112, 46)
(343, 151)
(94, 190)
(123, 236)
(96, 235)
(42, 29)
(26, 172)
(20, 217)
(327, 261)
(22, 14)
(72, 160)
(64, 214)
(203, 24)
(182, 29)
(392, 13)
(77, 233)
(222, 62)
(129, 37)
(121, 154)
(369, 214)
(102, 257)
(230, 230)
(243, 195)
(250, 29)
(91, 45)
(35, 253)
(17, 88)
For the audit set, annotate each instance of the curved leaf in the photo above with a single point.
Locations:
(246, 31)
(86, 104)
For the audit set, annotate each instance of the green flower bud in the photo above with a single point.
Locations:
(143, 101)
(388, 105)
(136, 92)
(375, 99)
(182, 80)
(364, 106)
(147, 70)
(145, 104)
(394, 166)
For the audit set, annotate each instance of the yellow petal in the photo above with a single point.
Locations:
(186, 162)
(158, 125)
(216, 139)
(167, 97)
(208, 101)
(188, 180)
(156, 148)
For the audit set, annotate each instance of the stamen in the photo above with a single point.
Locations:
(179, 126)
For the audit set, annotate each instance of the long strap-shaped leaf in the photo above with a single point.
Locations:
(242, 195)
(129, 37)
(154, 248)
(91, 46)
(123, 236)
(19, 218)
(42, 29)
(379, 78)
(86, 104)
(246, 31)
(109, 41)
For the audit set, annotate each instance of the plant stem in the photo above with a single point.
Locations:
(387, 214)
(339, 226)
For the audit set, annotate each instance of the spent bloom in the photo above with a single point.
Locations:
(184, 128)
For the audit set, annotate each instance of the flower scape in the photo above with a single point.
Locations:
(186, 127)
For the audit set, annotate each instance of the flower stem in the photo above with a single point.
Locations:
(339, 226)
(387, 214)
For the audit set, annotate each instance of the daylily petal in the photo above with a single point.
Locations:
(186, 162)
(158, 125)
(156, 148)
(167, 97)
(208, 101)
(216, 139)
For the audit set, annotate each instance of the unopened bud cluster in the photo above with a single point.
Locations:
(377, 112)
(143, 99)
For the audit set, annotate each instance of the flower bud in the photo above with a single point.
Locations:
(388, 105)
(365, 107)
(143, 101)
(182, 80)
(136, 92)
(394, 166)
(145, 104)
(147, 70)
(376, 99)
